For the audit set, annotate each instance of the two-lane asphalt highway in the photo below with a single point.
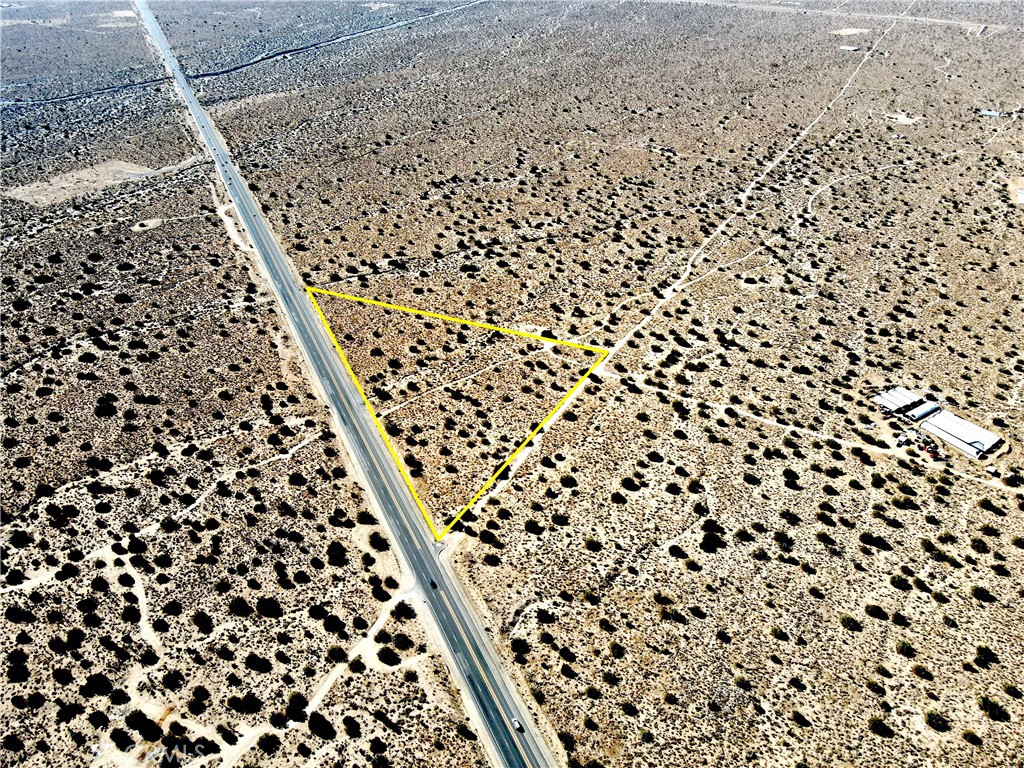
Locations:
(488, 692)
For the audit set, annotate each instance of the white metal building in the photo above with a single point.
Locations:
(927, 408)
(897, 399)
(973, 440)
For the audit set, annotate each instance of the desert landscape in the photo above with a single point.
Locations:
(190, 572)
(720, 550)
(442, 394)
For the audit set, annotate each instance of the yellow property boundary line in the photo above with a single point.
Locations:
(599, 351)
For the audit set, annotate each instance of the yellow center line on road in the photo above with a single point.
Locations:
(476, 663)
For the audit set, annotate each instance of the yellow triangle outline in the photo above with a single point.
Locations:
(601, 355)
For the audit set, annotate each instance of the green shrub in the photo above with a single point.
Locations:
(850, 623)
(936, 721)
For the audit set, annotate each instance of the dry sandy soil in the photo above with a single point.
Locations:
(77, 183)
(717, 555)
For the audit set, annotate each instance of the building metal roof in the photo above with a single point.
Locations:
(927, 408)
(897, 399)
(968, 437)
